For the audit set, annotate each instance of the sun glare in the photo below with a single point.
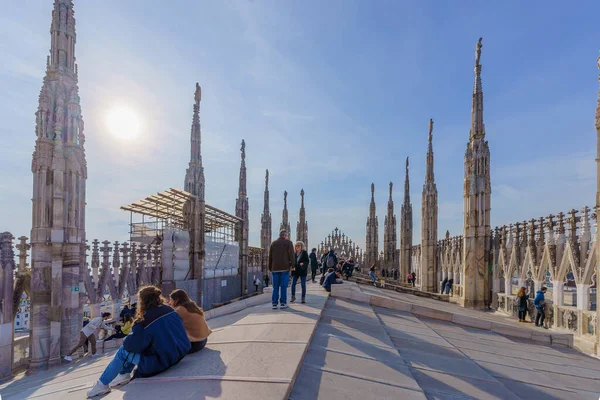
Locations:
(123, 122)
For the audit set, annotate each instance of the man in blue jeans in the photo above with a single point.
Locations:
(281, 260)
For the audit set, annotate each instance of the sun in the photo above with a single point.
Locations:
(123, 122)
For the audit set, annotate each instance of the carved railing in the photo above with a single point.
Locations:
(557, 252)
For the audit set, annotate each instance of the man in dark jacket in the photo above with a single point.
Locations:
(331, 279)
(331, 261)
(314, 264)
(281, 260)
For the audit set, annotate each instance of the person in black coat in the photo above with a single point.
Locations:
(300, 271)
(314, 264)
(444, 282)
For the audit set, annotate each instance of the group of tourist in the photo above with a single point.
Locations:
(157, 337)
(539, 302)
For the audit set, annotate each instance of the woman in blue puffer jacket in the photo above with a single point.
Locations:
(157, 342)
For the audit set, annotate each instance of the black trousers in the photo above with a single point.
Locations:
(197, 346)
(539, 318)
(313, 273)
(522, 314)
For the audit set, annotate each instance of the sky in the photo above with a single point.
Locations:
(329, 96)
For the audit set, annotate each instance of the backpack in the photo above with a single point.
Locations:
(330, 262)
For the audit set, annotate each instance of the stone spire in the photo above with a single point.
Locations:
(406, 230)
(598, 205)
(429, 224)
(477, 126)
(266, 235)
(194, 175)
(390, 236)
(302, 226)
(372, 239)
(285, 222)
(58, 203)
(241, 211)
(477, 195)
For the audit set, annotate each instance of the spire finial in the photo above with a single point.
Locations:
(243, 149)
(430, 130)
(406, 165)
(391, 186)
(372, 190)
(477, 126)
(598, 108)
(267, 179)
(285, 197)
(198, 94)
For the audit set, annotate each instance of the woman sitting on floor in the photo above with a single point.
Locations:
(157, 342)
(193, 319)
(122, 330)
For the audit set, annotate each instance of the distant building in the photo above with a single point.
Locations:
(23, 314)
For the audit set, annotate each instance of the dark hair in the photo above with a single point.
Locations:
(148, 297)
(330, 269)
(282, 233)
(128, 318)
(106, 314)
(544, 289)
(313, 249)
(181, 298)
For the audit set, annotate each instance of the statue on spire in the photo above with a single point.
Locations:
(407, 165)
(267, 178)
(243, 149)
(478, 51)
(430, 129)
(198, 94)
(391, 185)
(372, 189)
(285, 197)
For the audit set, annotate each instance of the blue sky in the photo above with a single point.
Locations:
(330, 96)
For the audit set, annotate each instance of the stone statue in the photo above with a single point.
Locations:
(267, 178)
(198, 94)
(391, 185)
(478, 51)
(372, 188)
(243, 149)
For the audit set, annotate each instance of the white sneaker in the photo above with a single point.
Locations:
(98, 389)
(121, 379)
(68, 358)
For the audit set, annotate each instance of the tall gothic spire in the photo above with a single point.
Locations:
(285, 222)
(429, 223)
(372, 237)
(194, 175)
(58, 202)
(477, 126)
(302, 226)
(477, 205)
(241, 211)
(429, 177)
(406, 229)
(598, 107)
(390, 236)
(266, 227)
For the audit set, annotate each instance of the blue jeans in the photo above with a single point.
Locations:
(448, 287)
(372, 276)
(280, 282)
(123, 363)
(302, 285)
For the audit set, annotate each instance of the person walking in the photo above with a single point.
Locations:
(192, 315)
(409, 278)
(522, 296)
(281, 260)
(540, 304)
(314, 264)
(89, 333)
(414, 278)
(444, 282)
(324, 263)
(300, 271)
(157, 342)
(372, 273)
(449, 285)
